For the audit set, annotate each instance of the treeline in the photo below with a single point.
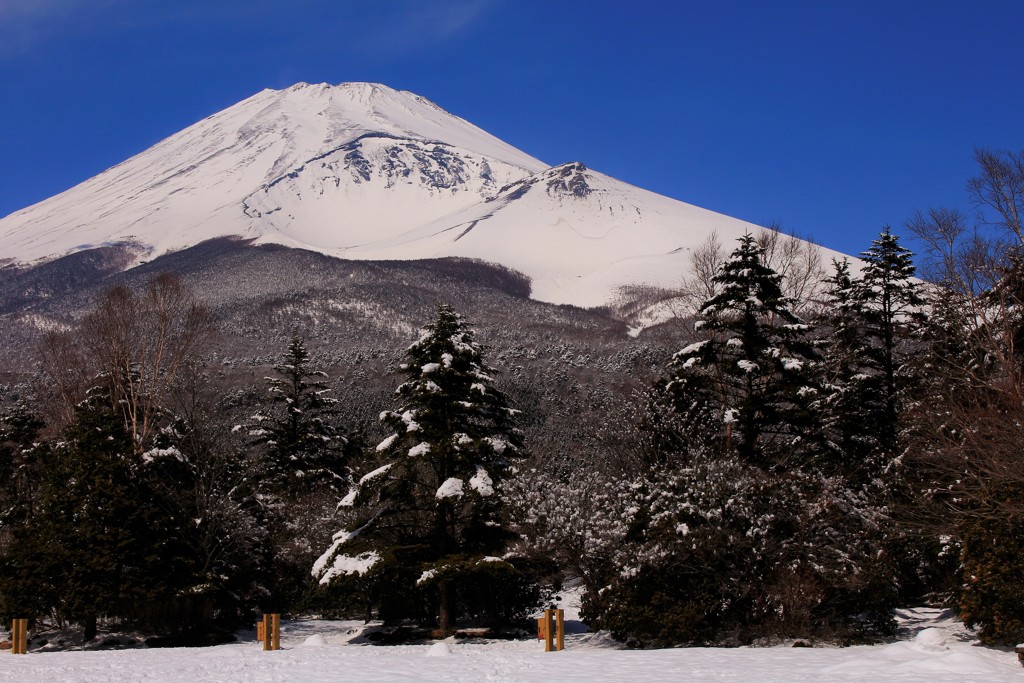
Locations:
(829, 442)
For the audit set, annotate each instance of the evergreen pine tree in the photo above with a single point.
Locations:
(303, 445)
(21, 465)
(99, 544)
(751, 374)
(207, 480)
(428, 516)
(892, 314)
(845, 403)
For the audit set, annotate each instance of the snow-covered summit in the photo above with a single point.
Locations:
(364, 171)
(193, 185)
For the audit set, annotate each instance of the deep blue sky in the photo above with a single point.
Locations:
(831, 117)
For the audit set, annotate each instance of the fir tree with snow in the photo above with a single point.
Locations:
(845, 403)
(892, 313)
(744, 534)
(303, 445)
(747, 386)
(428, 513)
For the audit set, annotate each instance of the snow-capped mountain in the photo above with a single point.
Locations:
(362, 171)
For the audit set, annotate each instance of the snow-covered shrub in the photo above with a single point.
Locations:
(993, 592)
(716, 551)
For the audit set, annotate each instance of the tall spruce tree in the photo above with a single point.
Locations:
(303, 445)
(848, 414)
(747, 536)
(892, 312)
(20, 464)
(748, 383)
(428, 516)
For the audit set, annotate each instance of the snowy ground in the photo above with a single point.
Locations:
(936, 648)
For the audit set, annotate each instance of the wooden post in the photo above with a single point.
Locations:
(275, 627)
(267, 639)
(560, 618)
(549, 635)
(19, 637)
(540, 628)
(260, 633)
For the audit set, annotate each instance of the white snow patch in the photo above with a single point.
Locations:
(481, 482)
(160, 453)
(346, 565)
(499, 445)
(747, 366)
(315, 640)
(419, 449)
(375, 473)
(452, 487)
(693, 348)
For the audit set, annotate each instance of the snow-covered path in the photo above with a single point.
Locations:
(932, 656)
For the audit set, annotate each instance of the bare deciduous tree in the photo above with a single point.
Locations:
(137, 343)
(998, 191)
(65, 377)
(797, 260)
(972, 427)
(978, 265)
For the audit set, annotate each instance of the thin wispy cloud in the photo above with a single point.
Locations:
(385, 27)
(402, 26)
(25, 24)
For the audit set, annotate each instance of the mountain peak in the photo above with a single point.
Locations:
(364, 171)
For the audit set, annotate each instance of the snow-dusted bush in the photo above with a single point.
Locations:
(720, 551)
(715, 551)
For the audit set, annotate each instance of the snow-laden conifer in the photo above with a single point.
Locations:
(303, 445)
(426, 514)
(747, 384)
(892, 313)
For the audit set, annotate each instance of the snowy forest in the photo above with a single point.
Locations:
(827, 442)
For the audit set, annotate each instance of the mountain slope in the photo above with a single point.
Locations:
(583, 237)
(194, 185)
(362, 171)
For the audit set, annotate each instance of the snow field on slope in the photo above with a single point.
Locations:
(937, 650)
(362, 171)
(189, 187)
(576, 250)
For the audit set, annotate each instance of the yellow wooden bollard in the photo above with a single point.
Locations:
(269, 630)
(266, 632)
(19, 637)
(549, 631)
